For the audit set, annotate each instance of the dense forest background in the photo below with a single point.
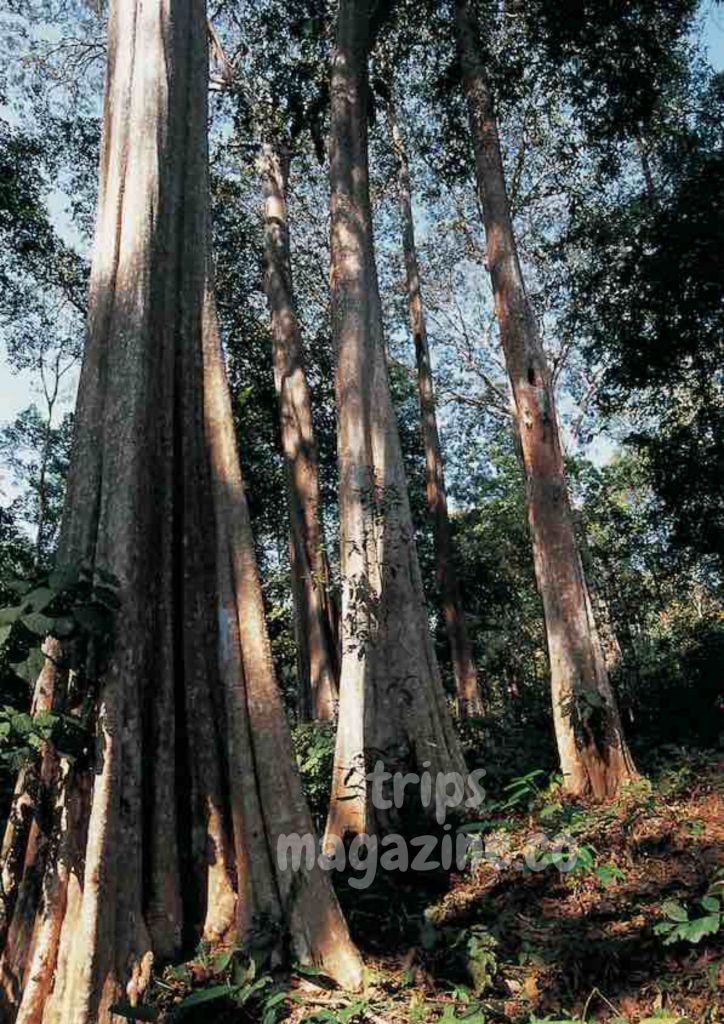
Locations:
(615, 185)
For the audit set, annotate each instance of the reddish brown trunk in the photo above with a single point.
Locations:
(466, 678)
(317, 654)
(594, 757)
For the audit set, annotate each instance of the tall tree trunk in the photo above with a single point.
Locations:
(168, 832)
(594, 756)
(317, 655)
(466, 677)
(392, 704)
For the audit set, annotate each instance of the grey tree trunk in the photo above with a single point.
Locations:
(169, 834)
(595, 759)
(392, 705)
(316, 647)
(469, 699)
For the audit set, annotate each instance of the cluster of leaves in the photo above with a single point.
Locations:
(314, 750)
(68, 604)
(239, 980)
(682, 926)
(647, 276)
(351, 1013)
(22, 735)
(76, 606)
(463, 954)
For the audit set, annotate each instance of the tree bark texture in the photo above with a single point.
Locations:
(595, 759)
(168, 834)
(316, 648)
(392, 704)
(466, 678)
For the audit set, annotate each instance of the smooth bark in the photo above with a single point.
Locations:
(595, 759)
(466, 677)
(392, 704)
(168, 835)
(316, 649)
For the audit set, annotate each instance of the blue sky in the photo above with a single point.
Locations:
(17, 391)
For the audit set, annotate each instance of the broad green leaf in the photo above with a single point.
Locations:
(18, 586)
(246, 992)
(39, 599)
(695, 930)
(674, 910)
(134, 1012)
(205, 995)
(30, 667)
(10, 614)
(308, 970)
(39, 624)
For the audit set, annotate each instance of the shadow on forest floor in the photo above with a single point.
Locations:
(517, 946)
(510, 945)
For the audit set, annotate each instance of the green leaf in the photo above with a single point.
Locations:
(711, 903)
(30, 667)
(134, 1012)
(697, 929)
(39, 624)
(247, 992)
(5, 631)
(272, 1006)
(221, 962)
(674, 910)
(39, 599)
(206, 995)
(10, 614)
(18, 586)
(308, 971)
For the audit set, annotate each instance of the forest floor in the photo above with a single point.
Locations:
(515, 946)
(624, 938)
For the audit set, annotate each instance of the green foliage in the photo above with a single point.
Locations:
(682, 926)
(647, 279)
(36, 452)
(457, 953)
(353, 1013)
(68, 604)
(22, 735)
(314, 750)
(77, 607)
(237, 980)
